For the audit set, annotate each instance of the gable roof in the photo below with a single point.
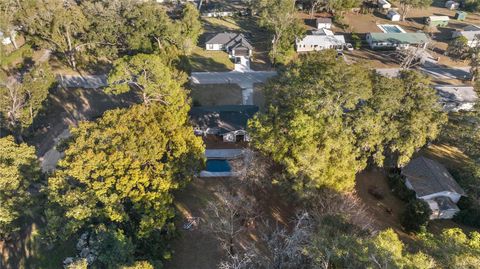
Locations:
(223, 119)
(428, 177)
(324, 20)
(232, 40)
(458, 94)
(321, 40)
(400, 38)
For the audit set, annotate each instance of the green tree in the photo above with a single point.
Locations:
(140, 265)
(407, 5)
(113, 247)
(8, 13)
(280, 18)
(122, 169)
(21, 102)
(458, 48)
(57, 25)
(416, 215)
(151, 76)
(19, 168)
(303, 127)
(190, 28)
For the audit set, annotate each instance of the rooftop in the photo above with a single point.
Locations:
(229, 39)
(459, 94)
(428, 177)
(402, 38)
(223, 119)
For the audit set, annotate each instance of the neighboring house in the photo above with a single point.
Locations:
(396, 40)
(432, 183)
(227, 122)
(237, 47)
(384, 4)
(457, 98)
(320, 40)
(471, 33)
(323, 23)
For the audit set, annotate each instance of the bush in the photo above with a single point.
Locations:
(470, 217)
(416, 215)
(357, 42)
(397, 185)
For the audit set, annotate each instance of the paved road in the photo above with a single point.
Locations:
(435, 72)
(87, 82)
(244, 79)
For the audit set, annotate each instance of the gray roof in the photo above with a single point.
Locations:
(231, 40)
(324, 20)
(400, 38)
(224, 118)
(428, 177)
(458, 94)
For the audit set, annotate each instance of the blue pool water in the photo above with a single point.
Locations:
(218, 166)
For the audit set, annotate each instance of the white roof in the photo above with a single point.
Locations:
(460, 94)
(322, 40)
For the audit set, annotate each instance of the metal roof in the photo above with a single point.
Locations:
(428, 177)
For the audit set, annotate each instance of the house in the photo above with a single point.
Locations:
(432, 183)
(456, 98)
(323, 23)
(393, 15)
(396, 40)
(471, 33)
(227, 122)
(320, 40)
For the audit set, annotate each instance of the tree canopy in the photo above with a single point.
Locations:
(325, 119)
(19, 168)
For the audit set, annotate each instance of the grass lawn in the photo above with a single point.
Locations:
(216, 94)
(213, 61)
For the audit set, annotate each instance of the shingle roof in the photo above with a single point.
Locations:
(428, 177)
(223, 118)
(230, 40)
(400, 38)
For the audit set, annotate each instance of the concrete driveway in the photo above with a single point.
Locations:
(244, 79)
(460, 73)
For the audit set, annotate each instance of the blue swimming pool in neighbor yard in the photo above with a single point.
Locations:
(218, 166)
(391, 29)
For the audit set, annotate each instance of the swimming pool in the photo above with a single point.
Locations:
(218, 166)
(390, 28)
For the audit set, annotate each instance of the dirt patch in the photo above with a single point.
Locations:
(216, 94)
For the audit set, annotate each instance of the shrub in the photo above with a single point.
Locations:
(470, 217)
(398, 187)
(416, 215)
(357, 42)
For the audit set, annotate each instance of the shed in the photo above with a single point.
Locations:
(437, 21)
(461, 15)
(452, 5)
(384, 4)
(393, 15)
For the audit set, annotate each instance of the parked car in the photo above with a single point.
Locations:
(348, 46)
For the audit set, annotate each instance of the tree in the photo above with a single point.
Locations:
(279, 17)
(113, 247)
(303, 126)
(407, 5)
(458, 48)
(190, 28)
(402, 115)
(121, 171)
(139, 265)
(8, 13)
(475, 59)
(151, 76)
(416, 215)
(21, 102)
(57, 25)
(19, 168)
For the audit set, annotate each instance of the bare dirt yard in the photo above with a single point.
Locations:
(199, 247)
(216, 94)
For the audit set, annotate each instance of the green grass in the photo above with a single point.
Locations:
(16, 56)
(203, 60)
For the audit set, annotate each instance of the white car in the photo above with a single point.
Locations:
(348, 46)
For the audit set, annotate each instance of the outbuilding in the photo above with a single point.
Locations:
(432, 183)
(438, 21)
(323, 23)
(393, 15)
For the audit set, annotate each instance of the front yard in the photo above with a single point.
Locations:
(216, 94)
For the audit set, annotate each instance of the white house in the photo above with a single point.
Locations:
(324, 23)
(471, 33)
(320, 40)
(457, 98)
(432, 183)
(393, 15)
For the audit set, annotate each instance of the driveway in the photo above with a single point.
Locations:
(460, 73)
(86, 82)
(244, 79)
